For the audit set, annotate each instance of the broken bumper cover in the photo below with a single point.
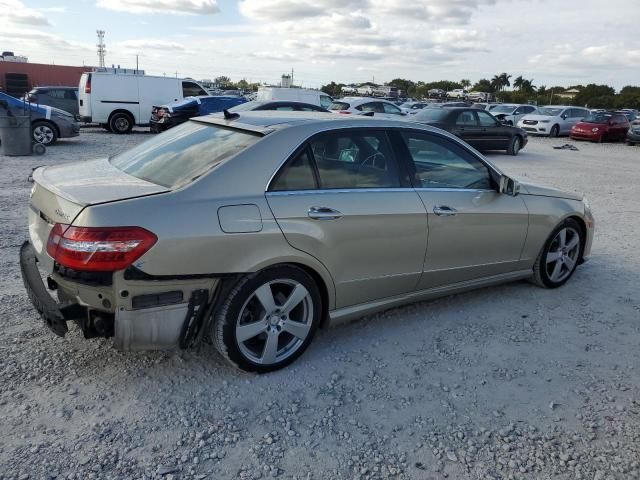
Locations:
(54, 314)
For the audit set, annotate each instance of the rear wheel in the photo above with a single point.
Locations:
(514, 146)
(120, 123)
(560, 255)
(44, 132)
(268, 320)
(555, 131)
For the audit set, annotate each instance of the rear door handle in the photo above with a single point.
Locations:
(444, 211)
(323, 213)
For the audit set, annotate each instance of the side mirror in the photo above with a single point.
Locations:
(564, 117)
(509, 186)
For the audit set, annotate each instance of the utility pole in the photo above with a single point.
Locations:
(102, 48)
(292, 76)
(136, 63)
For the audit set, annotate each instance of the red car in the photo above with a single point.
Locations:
(600, 127)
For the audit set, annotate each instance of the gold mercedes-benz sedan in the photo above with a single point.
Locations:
(255, 229)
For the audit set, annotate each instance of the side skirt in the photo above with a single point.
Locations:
(355, 311)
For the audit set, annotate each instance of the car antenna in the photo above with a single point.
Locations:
(230, 116)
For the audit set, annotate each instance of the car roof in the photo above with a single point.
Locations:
(54, 87)
(266, 121)
(363, 99)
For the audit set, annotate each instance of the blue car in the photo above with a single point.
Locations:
(164, 117)
(48, 124)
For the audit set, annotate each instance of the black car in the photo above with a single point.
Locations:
(633, 135)
(278, 105)
(64, 98)
(477, 127)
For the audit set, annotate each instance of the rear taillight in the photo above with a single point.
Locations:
(344, 112)
(101, 249)
(87, 86)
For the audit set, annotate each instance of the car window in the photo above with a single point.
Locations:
(325, 101)
(55, 93)
(296, 175)
(466, 119)
(519, 111)
(70, 95)
(370, 107)
(339, 106)
(440, 163)
(388, 108)
(284, 107)
(355, 160)
(183, 154)
(190, 89)
(486, 120)
(529, 109)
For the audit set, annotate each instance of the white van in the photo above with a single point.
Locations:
(118, 101)
(314, 97)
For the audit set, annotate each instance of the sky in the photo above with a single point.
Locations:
(553, 42)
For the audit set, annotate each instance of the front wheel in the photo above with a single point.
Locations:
(268, 320)
(44, 133)
(555, 131)
(559, 256)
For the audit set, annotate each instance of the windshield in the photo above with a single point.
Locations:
(504, 109)
(597, 118)
(247, 106)
(339, 106)
(550, 111)
(182, 154)
(431, 115)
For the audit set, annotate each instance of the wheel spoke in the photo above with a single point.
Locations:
(297, 295)
(297, 329)
(553, 256)
(250, 330)
(556, 271)
(562, 237)
(569, 262)
(270, 350)
(573, 242)
(265, 296)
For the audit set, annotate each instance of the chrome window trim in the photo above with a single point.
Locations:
(371, 190)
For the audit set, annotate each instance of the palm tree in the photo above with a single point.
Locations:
(517, 83)
(504, 78)
(527, 85)
(496, 83)
(464, 83)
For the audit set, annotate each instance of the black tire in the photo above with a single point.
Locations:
(630, 143)
(541, 275)
(44, 132)
(603, 138)
(120, 123)
(514, 145)
(555, 131)
(227, 317)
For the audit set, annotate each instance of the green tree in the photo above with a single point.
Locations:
(464, 83)
(223, 81)
(588, 95)
(332, 89)
(483, 85)
(403, 84)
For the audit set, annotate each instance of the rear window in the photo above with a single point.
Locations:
(182, 154)
(431, 114)
(339, 106)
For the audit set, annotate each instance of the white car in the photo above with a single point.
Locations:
(460, 93)
(552, 120)
(412, 108)
(360, 105)
(303, 95)
(511, 114)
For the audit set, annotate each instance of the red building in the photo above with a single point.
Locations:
(17, 78)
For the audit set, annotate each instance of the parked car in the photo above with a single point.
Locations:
(633, 135)
(478, 128)
(118, 101)
(163, 117)
(480, 97)
(601, 127)
(459, 93)
(48, 124)
(282, 106)
(511, 114)
(437, 93)
(63, 98)
(360, 105)
(630, 113)
(552, 120)
(303, 95)
(412, 107)
(256, 231)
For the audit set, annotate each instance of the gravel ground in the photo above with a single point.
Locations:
(511, 382)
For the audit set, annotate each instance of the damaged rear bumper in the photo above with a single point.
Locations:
(142, 314)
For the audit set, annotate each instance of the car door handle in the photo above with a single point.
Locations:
(323, 213)
(444, 211)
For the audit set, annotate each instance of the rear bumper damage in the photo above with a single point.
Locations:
(139, 314)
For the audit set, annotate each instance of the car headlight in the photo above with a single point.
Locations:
(545, 121)
(594, 129)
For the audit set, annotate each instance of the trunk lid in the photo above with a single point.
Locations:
(61, 192)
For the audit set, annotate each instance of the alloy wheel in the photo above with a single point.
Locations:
(563, 254)
(43, 134)
(275, 321)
